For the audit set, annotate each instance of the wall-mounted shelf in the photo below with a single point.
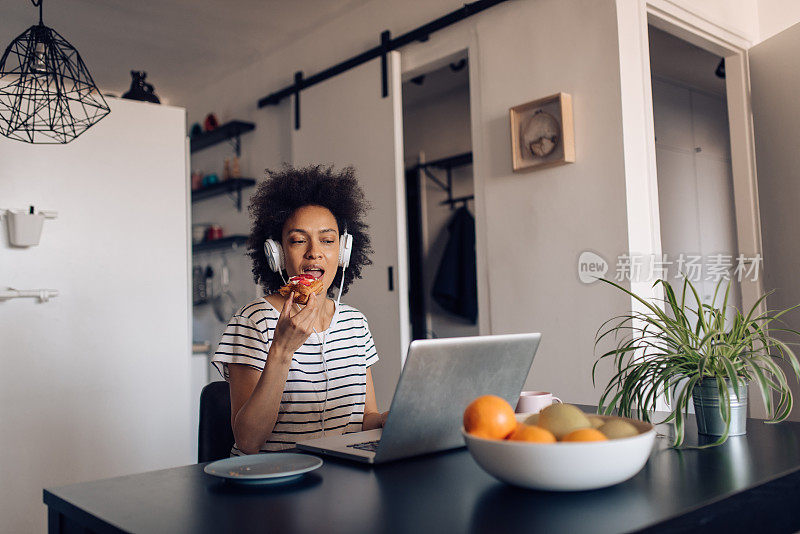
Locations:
(229, 131)
(233, 241)
(232, 186)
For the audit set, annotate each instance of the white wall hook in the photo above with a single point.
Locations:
(43, 295)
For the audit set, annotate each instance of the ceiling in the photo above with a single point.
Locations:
(181, 44)
(675, 59)
(437, 82)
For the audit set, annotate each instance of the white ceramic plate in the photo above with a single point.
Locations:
(572, 466)
(269, 468)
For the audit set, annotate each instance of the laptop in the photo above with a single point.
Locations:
(440, 378)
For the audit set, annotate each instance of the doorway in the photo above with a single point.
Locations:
(440, 189)
(694, 172)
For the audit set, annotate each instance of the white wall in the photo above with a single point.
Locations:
(535, 224)
(440, 127)
(96, 381)
(774, 16)
(776, 121)
(751, 20)
(738, 17)
(538, 223)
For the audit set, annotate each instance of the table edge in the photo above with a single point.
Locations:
(86, 519)
(692, 517)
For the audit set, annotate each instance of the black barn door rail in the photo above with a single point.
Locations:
(387, 45)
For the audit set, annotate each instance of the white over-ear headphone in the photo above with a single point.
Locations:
(274, 253)
(277, 262)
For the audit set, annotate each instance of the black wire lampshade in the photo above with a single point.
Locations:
(46, 92)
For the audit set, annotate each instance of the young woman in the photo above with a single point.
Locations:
(298, 372)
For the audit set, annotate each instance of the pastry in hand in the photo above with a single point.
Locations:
(303, 286)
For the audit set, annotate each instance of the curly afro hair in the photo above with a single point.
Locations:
(290, 188)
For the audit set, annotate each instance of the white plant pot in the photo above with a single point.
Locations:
(24, 229)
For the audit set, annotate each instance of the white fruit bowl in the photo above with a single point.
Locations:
(564, 466)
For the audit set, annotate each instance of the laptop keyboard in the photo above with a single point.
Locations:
(370, 446)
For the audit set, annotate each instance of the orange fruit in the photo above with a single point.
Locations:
(585, 434)
(489, 417)
(536, 434)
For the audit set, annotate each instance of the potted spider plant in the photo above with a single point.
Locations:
(688, 350)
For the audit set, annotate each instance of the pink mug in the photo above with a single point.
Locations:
(534, 401)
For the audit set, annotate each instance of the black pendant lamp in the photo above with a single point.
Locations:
(46, 92)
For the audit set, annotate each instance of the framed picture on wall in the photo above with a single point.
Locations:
(541, 133)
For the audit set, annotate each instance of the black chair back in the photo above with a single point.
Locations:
(215, 436)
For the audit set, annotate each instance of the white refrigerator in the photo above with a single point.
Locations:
(96, 381)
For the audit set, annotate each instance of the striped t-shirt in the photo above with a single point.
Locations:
(348, 349)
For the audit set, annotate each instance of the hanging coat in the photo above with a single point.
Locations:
(455, 287)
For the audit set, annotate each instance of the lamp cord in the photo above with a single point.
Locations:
(39, 5)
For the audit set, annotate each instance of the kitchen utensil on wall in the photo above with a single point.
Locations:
(199, 295)
(209, 282)
(223, 302)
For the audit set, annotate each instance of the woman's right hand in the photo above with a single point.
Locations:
(292, 331)
(256, 396)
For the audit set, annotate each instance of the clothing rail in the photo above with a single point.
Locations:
(448, 164)
(454, 201)
(42, 294)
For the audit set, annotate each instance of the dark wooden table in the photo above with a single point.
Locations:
(750, 484)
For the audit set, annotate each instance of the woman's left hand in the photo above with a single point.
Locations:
(372, 417)
(373, 420)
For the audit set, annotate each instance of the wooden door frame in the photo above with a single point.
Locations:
(700, 32)
(675, 20)
(641, 181)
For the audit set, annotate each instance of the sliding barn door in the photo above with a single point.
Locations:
(346, 121)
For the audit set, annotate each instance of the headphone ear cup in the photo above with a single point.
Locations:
(274, 253)
(345, 249)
